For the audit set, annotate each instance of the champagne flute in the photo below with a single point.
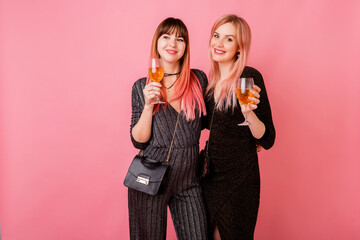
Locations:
(156, 74)
(243, 94)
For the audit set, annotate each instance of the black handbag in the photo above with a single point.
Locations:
(204, 162)
(146, 175)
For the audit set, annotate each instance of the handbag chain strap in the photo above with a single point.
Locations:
(172, 141)
(207, 145)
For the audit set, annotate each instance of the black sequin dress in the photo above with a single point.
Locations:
(232, 191)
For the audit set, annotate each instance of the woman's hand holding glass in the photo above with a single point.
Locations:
(151, 93)
(156, 74)
(248, 96)
(255, 92)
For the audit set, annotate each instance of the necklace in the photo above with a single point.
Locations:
(171, 74)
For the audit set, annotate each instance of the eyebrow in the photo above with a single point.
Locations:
(226, 35)
(179, 36)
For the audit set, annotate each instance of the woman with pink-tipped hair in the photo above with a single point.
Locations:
(232, 189)
(152, 128)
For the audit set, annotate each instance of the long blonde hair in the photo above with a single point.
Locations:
(227, 98)
(187, 87)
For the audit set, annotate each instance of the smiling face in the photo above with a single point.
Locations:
(171, 47)
(223, 45)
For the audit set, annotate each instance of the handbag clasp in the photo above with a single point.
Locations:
(143, 180)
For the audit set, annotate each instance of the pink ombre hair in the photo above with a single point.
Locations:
(187, 87)
(227, 98)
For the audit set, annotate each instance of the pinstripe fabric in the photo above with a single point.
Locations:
(182, 191)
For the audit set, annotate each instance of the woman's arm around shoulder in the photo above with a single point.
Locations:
(201, 76)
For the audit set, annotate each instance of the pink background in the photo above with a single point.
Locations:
(66, 70)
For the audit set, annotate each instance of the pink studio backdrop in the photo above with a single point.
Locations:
(66, 70)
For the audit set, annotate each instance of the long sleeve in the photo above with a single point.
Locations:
(263, 112)
(137, 104)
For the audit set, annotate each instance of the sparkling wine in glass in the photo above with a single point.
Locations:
(243, 94)
(156, 74)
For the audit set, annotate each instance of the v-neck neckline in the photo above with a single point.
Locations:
(174, 108)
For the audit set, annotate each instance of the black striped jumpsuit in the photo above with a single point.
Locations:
(182, 191)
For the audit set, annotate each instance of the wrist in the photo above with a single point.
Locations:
(247, 112)
(149, 106)
(251, 114)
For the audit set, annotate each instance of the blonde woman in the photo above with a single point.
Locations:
(232, 190)
(152, 128)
